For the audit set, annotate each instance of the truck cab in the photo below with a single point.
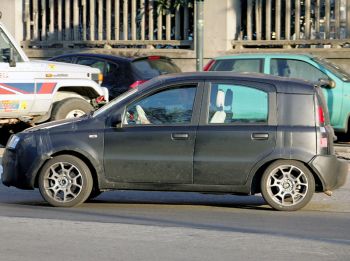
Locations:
(38, 91)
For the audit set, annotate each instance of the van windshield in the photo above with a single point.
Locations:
(335, 69)
(5, 49)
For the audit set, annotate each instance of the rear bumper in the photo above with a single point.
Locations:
(331, 170)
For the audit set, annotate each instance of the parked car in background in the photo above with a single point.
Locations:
(201, 132)
(121, 73)
(336, 82)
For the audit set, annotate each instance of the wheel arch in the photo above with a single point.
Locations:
(87, 93)
(256, 179)
(80, 156)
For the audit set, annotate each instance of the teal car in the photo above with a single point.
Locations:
(335, 81)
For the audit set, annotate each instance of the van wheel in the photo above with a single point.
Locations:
(70, 108)
(65, 181)
(287, 185)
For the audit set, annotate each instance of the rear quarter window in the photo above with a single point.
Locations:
(296, 110)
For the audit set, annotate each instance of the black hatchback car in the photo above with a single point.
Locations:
(204, 132)
(122, 73)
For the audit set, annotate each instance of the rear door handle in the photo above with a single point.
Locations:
(260, 136)
(179, 136)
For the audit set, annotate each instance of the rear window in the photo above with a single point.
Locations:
(239, 65)
(149, 68)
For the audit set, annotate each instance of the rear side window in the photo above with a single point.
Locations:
(237, 104)
(239, 65)
(149, 68)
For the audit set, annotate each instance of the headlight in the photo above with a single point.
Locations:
(12, 143)
(97, 77)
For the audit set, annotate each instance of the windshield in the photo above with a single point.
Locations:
(115, 101)
(149, 68)
(339, 72)
(5, 48)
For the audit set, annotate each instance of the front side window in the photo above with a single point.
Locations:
(170, 106)
(5, 48)
(296, 69)
(239, 65)
(231, 103)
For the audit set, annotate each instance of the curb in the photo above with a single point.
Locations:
(342, 148)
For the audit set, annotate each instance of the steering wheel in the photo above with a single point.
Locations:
(142, 115)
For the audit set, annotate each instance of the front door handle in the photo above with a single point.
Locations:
(260, 136)
(179, 136)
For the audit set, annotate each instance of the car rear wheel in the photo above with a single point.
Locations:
(287, 185)
(70, 108)
(65, 181)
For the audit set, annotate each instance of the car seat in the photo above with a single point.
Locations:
(220, 115)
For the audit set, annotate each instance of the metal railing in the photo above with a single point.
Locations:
(114, 23)
(294, 23)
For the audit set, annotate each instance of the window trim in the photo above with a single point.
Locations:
(199, 85)
(271, 103)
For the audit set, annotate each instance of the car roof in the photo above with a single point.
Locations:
(109, 57)
(95, 55)
(264, 55)
(282, 84)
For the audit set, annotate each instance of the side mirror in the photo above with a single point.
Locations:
(326, 83)
(8, 56)
(116, 120)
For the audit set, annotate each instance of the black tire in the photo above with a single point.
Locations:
(65, 181)
(287, 185)
(69, 108)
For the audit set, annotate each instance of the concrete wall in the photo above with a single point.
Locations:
(12, 12)
(221, 25)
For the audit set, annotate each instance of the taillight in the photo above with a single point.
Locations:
(321, 120)
(100, 99)
(153, 57)
(137, 83)
(208, 65)
(323, 131)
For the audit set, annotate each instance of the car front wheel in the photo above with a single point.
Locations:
(287, 185)
(65, 181)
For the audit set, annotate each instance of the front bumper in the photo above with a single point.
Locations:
(21, 165)
(331, 170)
(13, 172)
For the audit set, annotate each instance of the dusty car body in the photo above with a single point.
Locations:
(213, 132)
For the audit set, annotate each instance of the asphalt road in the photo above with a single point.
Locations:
(172, 226)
